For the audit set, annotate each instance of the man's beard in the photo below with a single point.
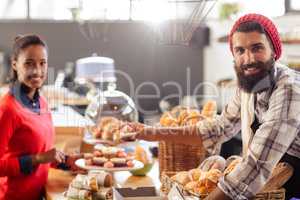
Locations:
(259, 81)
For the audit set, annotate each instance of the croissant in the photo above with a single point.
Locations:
(209, 109)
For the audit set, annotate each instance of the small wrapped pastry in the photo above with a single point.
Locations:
(103, 178)
(84, 195)
(181, 177)
(77, 194)
(85, 182)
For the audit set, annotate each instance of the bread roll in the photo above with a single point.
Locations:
(195, 174)
(181, 177)
(190, 186)
(209, 109)
(214, 175)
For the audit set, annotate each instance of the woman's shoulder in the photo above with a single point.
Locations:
(8, 103)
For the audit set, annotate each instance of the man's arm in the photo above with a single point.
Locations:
(271, 141)
(217, 194)
(210, 132)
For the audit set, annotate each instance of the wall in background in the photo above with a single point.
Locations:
(133, 46)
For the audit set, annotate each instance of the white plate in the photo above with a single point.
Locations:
(81, 163)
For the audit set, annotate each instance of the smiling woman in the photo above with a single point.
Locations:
(26, 138)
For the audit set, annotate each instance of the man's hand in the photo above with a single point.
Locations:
(217, 194)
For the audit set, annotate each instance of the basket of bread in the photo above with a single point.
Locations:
(199, 182)
(179, 157)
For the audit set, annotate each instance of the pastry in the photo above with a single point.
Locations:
(99, 161)
(97, 153)
(194, 174)
(118, 162)
(181, 116)
(190, 186)
(209, 109)
(110, 152)
(181, 177)
(103, 178)
(85, 182)
(88, 155)
(108, 164)
(214, 175)
(121, 154)
(129, 163)
(76, 194)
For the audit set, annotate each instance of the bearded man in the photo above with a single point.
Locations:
(265, 108)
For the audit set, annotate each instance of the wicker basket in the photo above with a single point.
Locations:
(174, 157)
(167, 183)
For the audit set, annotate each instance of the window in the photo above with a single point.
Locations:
(54, 9)
(13, 9)
(292, 6)
(146, 10)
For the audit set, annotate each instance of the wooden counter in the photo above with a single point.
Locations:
(58, 181)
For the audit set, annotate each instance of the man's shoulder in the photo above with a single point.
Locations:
(286, 76)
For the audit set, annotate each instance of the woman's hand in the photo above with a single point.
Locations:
(49, 156)
(70, 162)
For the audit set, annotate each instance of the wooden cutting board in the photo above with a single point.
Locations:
(280, 175)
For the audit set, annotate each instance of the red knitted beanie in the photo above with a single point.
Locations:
(268, 26)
